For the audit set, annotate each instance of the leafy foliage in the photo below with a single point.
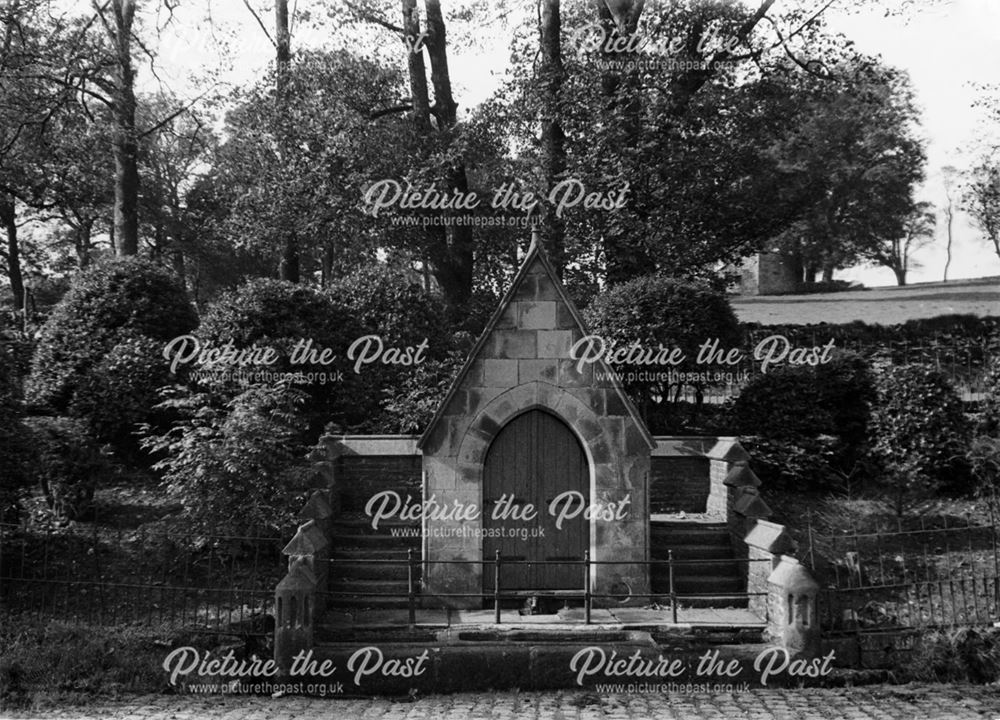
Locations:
(67, 464)
(655, 311)
(235, 466)
(14, 442)
(809, 423)
(421, 392)
(120, 391)
(106, 305)
(918, 431)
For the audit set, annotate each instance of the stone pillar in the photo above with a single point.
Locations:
(765, 544)
(310, 548)
(325, 459)
(792, 616)
(295, 613)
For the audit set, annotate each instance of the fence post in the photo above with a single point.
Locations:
(670, 579)
(496, 589)
(410, 598)
(586, 587)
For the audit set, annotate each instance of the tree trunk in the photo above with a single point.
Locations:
(553, 137)
(454, 257)
(416, 68)
(949, 215)
(81, 243)
(124, 141)
(8, 216)
(289, 266)
(828, 273)
(624, 255)
(900, 273)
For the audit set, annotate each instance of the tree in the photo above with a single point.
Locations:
(896, 251)
(553, 137)
(948, 174)
(855, 161)
(982, 199)
(121, 98)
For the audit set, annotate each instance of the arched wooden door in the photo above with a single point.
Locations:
(534, 459)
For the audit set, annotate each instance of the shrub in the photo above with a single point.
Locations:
(120, 392)
(809, 422)
(111, 303)
(14, 442)
(235, 467)
(387, 303)
(918, 431)
(415, 401)
(67, 464)
(654, 310)
(989, 419)
(278, 315)
(962, 655)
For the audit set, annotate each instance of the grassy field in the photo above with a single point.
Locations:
(883, 306)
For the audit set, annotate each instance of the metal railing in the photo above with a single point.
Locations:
(500, 594)
(908, 577)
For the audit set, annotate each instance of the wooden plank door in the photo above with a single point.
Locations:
(535, 458)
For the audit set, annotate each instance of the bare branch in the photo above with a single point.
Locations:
(260, 22)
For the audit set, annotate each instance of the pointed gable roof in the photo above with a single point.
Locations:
(535, 264)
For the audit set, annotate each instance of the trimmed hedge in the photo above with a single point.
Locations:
(919, 431)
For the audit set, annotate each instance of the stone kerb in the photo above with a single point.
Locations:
(295, 614)
(792, 614)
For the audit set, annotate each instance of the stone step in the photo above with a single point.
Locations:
(691, 552)
(363, 526)
(372, 553)
(368, 570)
(661, 535)
(342, 541)
(362, 593)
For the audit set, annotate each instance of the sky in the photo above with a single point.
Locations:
(947, 47)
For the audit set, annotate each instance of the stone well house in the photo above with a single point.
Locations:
(536, 472)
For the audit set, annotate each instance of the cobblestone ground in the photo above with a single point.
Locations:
(910, 702)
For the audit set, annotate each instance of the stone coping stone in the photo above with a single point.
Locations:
(683, 445)
(377, 445)
(769, 536)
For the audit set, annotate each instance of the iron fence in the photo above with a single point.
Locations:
(172, 578)
(904, 578)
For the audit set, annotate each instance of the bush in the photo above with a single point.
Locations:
(809, 423)
(119, 393)
(14, 441)
(962, 655)
(278, 315)
(918, 431)
(236, 467)
(654, 310)
(387, 303)
(112, 303)
(67, 464)
(989, 419)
